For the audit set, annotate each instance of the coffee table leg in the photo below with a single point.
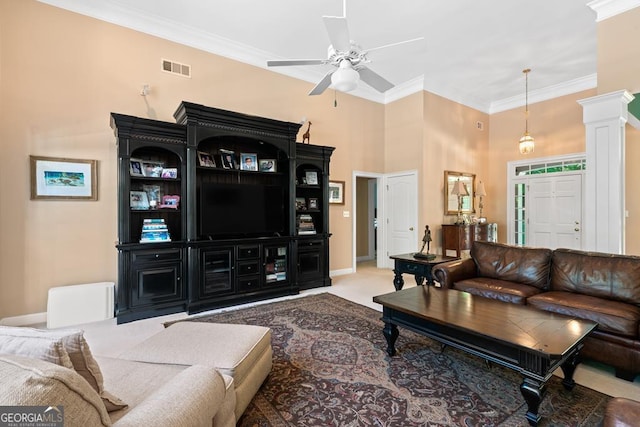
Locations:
(533, 393)
(568, 368)
(398, 281)
(391, 333)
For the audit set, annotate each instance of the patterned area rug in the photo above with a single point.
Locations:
(330, 368)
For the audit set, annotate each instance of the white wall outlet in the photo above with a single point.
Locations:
(345, 214)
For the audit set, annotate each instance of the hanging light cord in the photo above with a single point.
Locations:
(526, 99)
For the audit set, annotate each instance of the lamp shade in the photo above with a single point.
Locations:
(459, 189)
(527, 144)
(480, 191)
(345, 78)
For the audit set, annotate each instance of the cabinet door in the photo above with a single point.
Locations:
(276, 265)
(216, 272)
(311, 262)
(156, 277)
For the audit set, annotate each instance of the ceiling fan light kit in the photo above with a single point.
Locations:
(345, 78)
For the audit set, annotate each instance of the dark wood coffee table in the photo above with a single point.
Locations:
(530, 341)
(419, 267)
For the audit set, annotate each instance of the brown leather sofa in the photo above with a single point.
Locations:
(621, 412)
(604, 288)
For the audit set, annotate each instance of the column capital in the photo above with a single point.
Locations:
(608, 8)
(608, 106)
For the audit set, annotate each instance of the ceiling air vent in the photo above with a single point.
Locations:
(176, 68)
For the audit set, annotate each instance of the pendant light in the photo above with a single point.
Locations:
(527, 143)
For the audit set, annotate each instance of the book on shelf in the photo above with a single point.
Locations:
(154, 230)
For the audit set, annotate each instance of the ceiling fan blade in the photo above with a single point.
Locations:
(338, 32)
(288, 62)
(395, 44)
(374, 79)
(323, 84)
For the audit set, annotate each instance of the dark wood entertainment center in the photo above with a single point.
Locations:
(228, 264)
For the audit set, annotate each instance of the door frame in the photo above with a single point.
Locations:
(512, 179)
(381, 183)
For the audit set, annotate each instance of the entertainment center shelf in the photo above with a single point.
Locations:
(246, 211)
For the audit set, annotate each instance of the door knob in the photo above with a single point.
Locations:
(576, 229)
(410, 228)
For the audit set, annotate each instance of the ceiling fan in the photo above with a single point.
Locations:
(348, 58)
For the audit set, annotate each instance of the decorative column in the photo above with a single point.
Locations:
(603, 225)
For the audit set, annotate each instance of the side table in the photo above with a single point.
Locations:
(419, 267)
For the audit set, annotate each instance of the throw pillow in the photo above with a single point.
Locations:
(49, 349)
(79, 355)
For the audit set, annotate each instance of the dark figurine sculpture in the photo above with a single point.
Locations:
(426, 241)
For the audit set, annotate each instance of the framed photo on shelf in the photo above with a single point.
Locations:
(151, 168)
(336, 192)
(139, 200)
(313, 203)
(301, 204)
(169, 173)
(267, 165)
(206, 160)
(153, 195)
(135, 167)
(249, 161)
(55, 178)
(170, 202)
(228, 159)
(311, 177)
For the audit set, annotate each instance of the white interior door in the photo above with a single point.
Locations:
(401, 214)
(555, 212)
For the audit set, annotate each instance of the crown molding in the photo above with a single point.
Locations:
(544, 94)
(607, 8)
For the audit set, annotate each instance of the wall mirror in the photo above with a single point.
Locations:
(468, 180)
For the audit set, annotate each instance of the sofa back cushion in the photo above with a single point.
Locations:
(611, 276)
(529, 266)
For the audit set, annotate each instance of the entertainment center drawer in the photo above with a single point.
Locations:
(249, 283)
(248, 267)
(248, 252)
(157, 255)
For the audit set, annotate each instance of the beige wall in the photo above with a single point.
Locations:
(61, 74)
(618, 69)
(557, 128)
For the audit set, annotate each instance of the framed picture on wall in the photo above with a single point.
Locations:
(336, 192)
(55, 178)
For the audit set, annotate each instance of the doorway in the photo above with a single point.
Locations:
(545, 202)
(385, 216)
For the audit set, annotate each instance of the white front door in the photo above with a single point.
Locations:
(401, 214)
(555, 212)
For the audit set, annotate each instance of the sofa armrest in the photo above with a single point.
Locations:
(190, 398)
(449, 272)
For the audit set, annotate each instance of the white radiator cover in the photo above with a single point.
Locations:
(76, 304)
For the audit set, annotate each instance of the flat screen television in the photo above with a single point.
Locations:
(239, 210)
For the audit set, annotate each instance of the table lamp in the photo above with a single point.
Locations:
(459, 190)
(481, 192)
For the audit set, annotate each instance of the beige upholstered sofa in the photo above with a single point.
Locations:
(56, 368)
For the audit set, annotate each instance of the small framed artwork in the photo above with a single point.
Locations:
(171, 173)
(249, 161)
(55, 178)
(135, 167)
(152, 168)
(227, 157)
(170, 202)
(311, 177)
(153, 194)
(336, 192)
(313, 203)
(301, 204)
(267, 165)
(139, 200)
(206, 160)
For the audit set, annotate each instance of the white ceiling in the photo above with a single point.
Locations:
(473, 51)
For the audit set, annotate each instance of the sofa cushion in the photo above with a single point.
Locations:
(24, 342)
(612, 316)
(79, 355)
(529, 266)
(502, 290)
(28, 381)
(610, 276)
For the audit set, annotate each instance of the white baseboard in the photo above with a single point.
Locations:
(24, 320)
(341, 272)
